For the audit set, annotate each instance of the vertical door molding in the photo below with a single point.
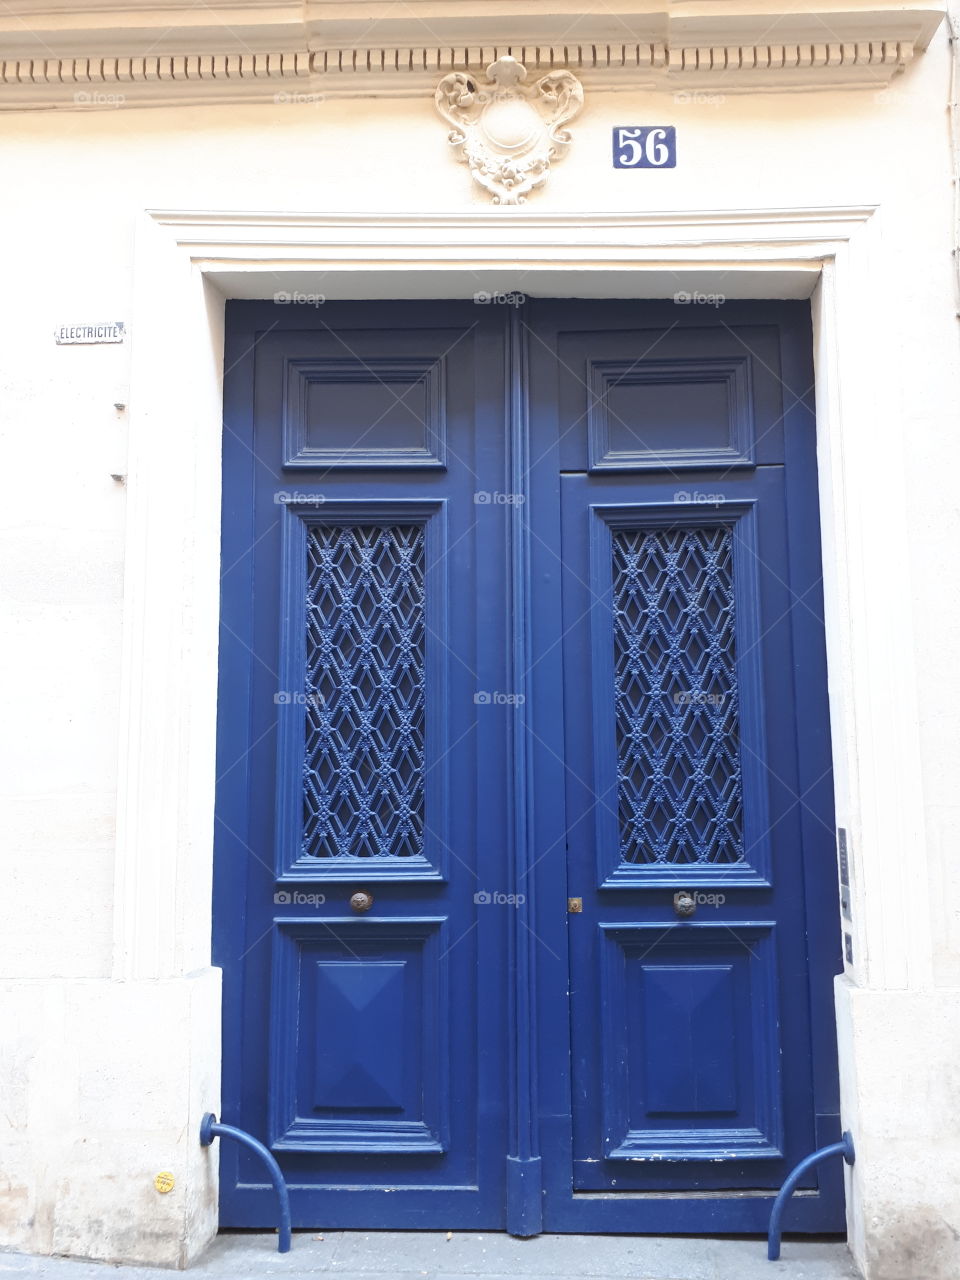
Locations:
(524, 1199)
(871, 649)
(164, 849)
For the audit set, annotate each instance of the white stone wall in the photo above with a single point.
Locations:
(110, 1049)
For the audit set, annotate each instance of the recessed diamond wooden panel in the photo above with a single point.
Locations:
(649, 415)
(690, 1042)
(364, 411)
(352, 996)
(691, 1006)
(359, 1036)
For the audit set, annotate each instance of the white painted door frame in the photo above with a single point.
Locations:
(187, 263)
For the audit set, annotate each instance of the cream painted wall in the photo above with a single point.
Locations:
(102, 1081)
(82, 178)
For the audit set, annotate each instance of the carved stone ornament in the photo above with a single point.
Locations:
(506, 131)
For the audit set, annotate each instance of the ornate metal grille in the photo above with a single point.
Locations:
(677, 714)
(363, 780)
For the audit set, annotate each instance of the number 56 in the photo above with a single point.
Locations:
(645, 147)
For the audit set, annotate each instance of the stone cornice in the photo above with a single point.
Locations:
(487, 235)
(59, 55)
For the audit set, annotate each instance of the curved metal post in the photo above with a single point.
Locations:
(210, 1128)
(842, 1148)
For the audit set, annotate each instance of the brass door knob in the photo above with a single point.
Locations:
(361, 901)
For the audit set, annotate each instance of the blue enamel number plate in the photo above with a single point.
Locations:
(645, 146)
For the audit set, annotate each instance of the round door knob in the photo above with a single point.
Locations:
(684, 903)
(361, 901)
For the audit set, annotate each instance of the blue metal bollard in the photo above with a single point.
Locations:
(210, 1128)
(842, 1148)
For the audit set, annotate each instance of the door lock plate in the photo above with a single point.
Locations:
(574, 906)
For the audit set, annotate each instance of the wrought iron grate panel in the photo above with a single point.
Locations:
(363, 780)
(680, 798)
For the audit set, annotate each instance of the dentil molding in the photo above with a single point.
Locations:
(60, 54)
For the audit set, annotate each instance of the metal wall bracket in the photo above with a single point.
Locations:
(842, 1148)
(210, 1128)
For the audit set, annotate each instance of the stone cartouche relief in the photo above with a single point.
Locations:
(507, 132)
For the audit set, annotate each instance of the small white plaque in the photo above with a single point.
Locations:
(69, 334)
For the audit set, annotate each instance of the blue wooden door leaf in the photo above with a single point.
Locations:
(520, 610)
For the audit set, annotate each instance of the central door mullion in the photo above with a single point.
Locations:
(524, 1211)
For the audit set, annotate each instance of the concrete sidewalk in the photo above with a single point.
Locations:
(430, 1255)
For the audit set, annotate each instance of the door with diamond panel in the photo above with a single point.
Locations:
(525, 887)
(361, 801)
(698, 827)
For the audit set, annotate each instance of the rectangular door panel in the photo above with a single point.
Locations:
(671, 396)
(661, 414)
(690, 1043)
(360, 1036)
(365, 410)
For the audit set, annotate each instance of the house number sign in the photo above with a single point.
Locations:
(645, 146)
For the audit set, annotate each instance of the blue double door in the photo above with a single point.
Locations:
(525, 882)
